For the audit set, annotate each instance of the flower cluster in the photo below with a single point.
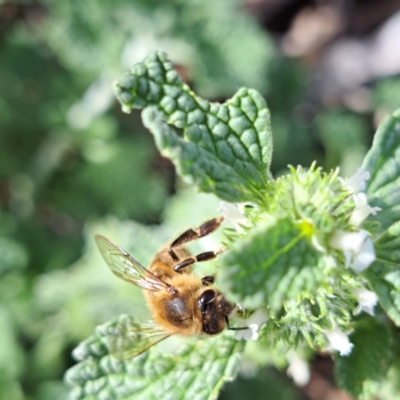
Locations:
(355, 244)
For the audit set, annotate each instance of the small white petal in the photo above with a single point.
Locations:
(351, 241)
(367, 301)
(356, 183)
(339, 341)
(374, 210)
(298, 369)
(365, 256)
(233, 215)
(359, 215)
(362, 210)
(357, 248)
(254, 331)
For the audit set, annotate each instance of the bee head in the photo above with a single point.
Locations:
(214, 308)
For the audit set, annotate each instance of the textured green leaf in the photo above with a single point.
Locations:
(383, 163)
(387, 246)
(368, 361)
(274, 263)
(225, 148)
(385, 282)
(197, 372)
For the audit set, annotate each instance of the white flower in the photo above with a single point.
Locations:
(356, 183)
(357, 248)
(362, 209)
(253, 322)
(339, 341)
(247, 334)
(298, 369)
(367, 301)
(233, 215)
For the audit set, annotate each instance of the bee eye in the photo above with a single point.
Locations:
(206, 297)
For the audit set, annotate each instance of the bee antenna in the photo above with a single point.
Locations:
(234, 329)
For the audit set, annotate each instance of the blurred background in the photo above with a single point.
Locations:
(72, 164)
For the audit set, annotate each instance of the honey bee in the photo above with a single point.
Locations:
(180, 302)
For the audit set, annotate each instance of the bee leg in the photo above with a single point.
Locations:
(233, 329)
(208, 255)
(194, 234)
(207, 280)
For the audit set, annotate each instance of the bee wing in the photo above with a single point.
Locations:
(125, 344)
(126, 267)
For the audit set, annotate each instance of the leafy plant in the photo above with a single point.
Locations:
(302, 252)
(197, 371)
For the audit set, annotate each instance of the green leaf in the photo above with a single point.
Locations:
(385, 282)
(196, 372)
(368, 361)
(387, 246)
(225, 148)
(383, 163)
(273, 264)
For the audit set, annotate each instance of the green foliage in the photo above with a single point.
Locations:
(383, 191)
(294, 135)
(369, 360)
(126, 169)
(283, 259)
(9, 350)
(225, 149)
(273, 264)
(387, 245)
(282, 263)
(13, 255)
(382, 161)
(384, 282)
(220, 45)
(68, 158)
(390, 388)
(197, 371)
(344, 137)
